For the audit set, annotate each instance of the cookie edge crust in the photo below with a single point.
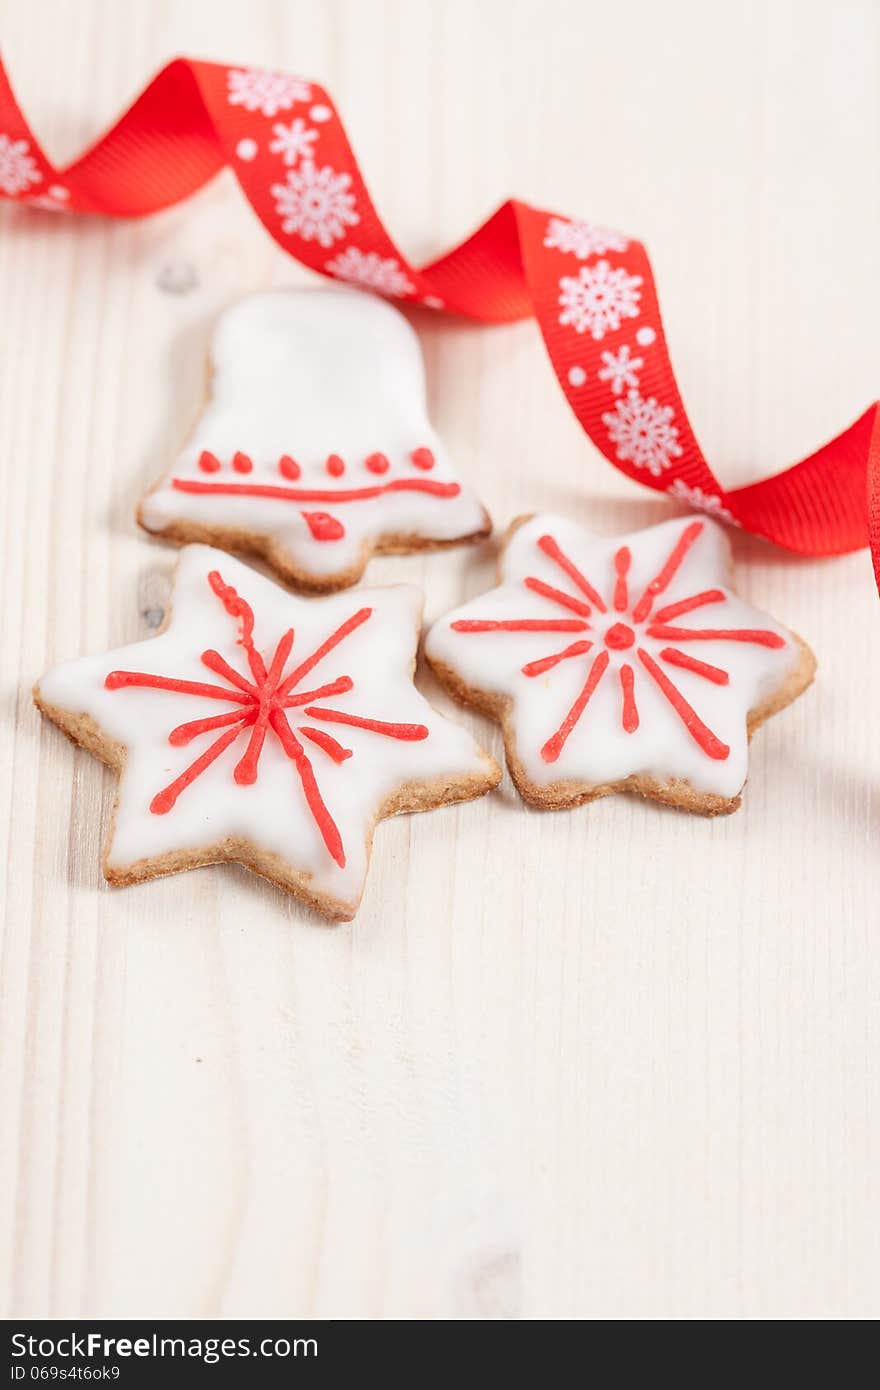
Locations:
(421, 795)
(565, 795)
(277, 558)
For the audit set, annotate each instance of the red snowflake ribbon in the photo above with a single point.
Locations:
(591, 289)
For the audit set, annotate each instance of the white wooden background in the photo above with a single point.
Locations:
(614, 1063)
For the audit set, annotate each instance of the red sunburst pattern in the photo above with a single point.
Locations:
(264, 703)
(638, 618)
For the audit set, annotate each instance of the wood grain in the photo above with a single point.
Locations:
(615, 1063)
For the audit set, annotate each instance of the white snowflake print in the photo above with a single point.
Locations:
(597, 298)
(315, 203)
(17, 169)
(258, 89)
(620, 370)
(582, 239)
(369, 269)
(294, 141)
(643, 433)
(701, 501)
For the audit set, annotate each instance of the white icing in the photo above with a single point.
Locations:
(307, 374)
(272, 814)
(598, 750)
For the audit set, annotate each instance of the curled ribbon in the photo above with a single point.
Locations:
(591, 289)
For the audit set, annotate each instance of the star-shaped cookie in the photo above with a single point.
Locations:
(314, 448)
(267, 729)
(621, 665)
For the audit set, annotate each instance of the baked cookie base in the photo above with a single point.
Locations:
(278, 559)
(413, 796)
(563, 795)
(560, 796)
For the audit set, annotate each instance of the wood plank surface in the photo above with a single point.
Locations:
(614, 1063)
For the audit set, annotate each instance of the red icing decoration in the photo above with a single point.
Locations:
(335, 466)
(263, 704)
(164, 800)
(669, 570)
(377, 463)
(317, 494)
(409, 733)
(699, 668)
(289, 468)
(551, 549)
(323, 526)
(118, 680)
(216, 663)
(208, 462)
(619, 637)
(315, 802)
(546, 663)
(422, 458)
(621, 564)
(518, 625)
(553, 747)
(326, 742)
(185, 733)
(344, 630)
(710, 744)
(687, 605)
(341, 686)
(242, 463)
(629, 714)
(759, 637)
(565, 600)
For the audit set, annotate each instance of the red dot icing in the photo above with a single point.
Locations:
(242, 463)
(377, 463)
(619, 637)
(208, 462)
(289, 468)
(335, 466)
(422, 458)
(323, 526)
